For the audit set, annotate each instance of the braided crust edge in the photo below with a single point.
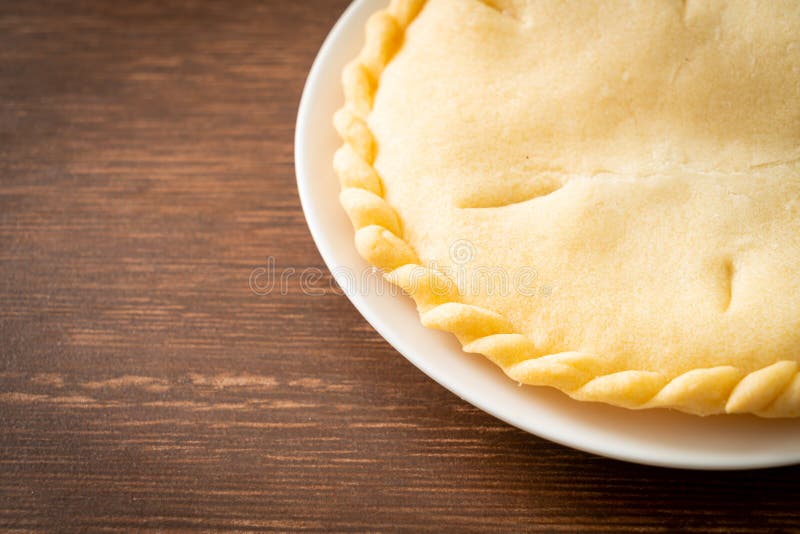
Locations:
(773, 391)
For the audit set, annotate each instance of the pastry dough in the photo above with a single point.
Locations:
(599, 196)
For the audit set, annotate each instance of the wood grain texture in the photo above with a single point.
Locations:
(146, 170)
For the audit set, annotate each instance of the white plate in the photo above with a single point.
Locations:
(655, 437)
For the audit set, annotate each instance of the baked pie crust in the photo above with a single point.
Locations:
(631, 171)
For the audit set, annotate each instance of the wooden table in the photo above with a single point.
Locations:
(146, 170)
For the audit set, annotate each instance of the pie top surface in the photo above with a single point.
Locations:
(613, 189)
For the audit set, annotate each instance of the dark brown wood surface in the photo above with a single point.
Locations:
(146, 169)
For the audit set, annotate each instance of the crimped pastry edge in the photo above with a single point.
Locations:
(773, 391)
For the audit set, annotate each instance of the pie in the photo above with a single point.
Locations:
(599, 196)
